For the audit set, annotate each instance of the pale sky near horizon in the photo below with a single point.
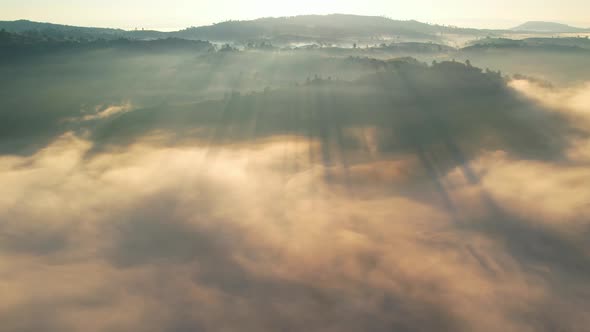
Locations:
(177, 14)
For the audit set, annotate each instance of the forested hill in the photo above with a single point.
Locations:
(329, 28)
(336, 26)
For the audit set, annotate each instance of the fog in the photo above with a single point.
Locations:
(295, 190)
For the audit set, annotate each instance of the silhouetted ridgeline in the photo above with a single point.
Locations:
(332, 29)
(13, 45)
(37, 43)
(343, 28)
(548, 27)
(570, 44)
(560, 60)
(59, 31)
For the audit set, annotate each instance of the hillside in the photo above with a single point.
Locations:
(335, 27)
(60, 31)
(15, 45)
(539, 26)
(329, 29)
(570, 44)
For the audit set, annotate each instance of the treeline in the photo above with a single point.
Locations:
(30, 43)
(534, 44)
(412, 107)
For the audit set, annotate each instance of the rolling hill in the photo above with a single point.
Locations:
(60, 31)
(333, 28)
(547, 27)
(323, 27)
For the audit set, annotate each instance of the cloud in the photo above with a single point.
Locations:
(155, 237)
(573, 102)
(105, 112)
(575, 99)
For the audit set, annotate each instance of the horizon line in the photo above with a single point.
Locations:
(179, 28)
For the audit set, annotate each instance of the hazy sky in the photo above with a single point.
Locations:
(173, 14)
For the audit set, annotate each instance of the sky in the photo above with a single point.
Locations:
(176, 14)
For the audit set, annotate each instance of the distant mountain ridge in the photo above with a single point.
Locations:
(303, 28)
(69, 31)
(26, 25)
(538, 44)
(334, 29)
(333, 26)
(540, 26)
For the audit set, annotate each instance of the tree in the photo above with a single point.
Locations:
(4, 35)
(227, 48)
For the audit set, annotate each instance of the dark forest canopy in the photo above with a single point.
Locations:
(557, 59)
(566, 44)
(15, 45)
(408, 101)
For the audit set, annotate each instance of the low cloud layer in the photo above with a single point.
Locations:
(445, 201)
(159, 238)
(573, 99)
